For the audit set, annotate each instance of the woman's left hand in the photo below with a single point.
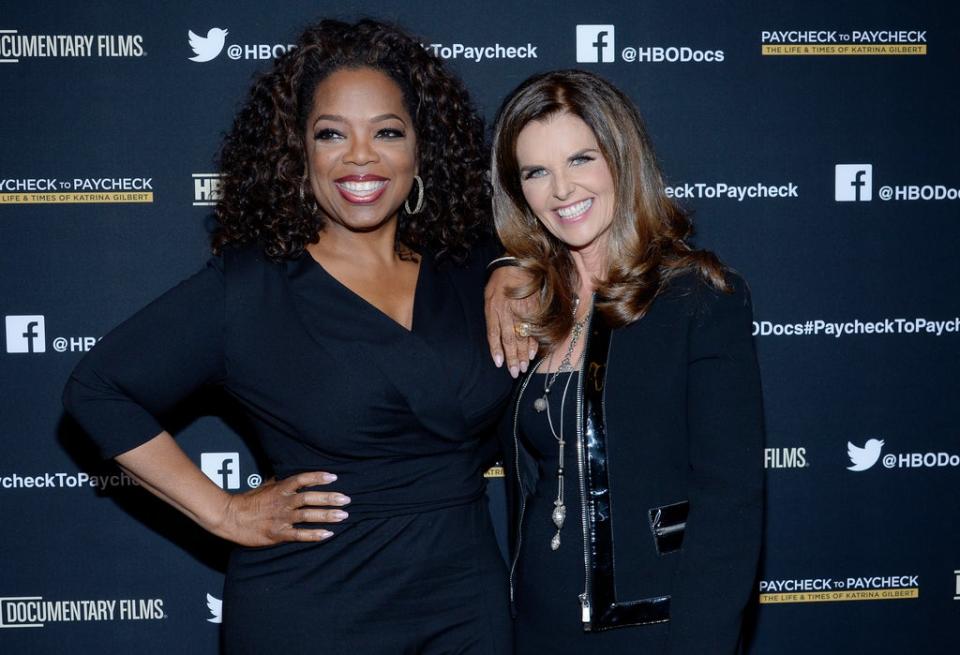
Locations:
(505, 321)
(270, 514)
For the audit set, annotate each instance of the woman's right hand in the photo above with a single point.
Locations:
(266, 515)
(504, 315)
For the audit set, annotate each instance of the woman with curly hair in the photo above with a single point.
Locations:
(343, 311)
(633, 450)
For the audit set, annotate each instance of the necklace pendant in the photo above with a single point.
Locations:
(540, 404)
(555, 542)
(558, 516)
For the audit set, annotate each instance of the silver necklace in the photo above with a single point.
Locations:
(541, 403)
(559, 513)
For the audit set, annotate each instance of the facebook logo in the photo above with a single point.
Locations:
(222, 468)
(854, 182)
(595, 43)
(26, 334)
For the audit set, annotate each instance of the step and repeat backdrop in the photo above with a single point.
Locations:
(816, 144)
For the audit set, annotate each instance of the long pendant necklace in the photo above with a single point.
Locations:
(559, 513)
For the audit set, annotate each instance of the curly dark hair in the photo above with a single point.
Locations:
(263, 158)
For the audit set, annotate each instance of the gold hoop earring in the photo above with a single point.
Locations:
(419, 207)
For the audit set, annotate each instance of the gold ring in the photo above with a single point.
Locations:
(522, 329)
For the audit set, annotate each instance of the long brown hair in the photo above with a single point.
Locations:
(647, 238)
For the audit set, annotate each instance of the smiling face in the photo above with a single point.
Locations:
(361, 149)
(566, 181)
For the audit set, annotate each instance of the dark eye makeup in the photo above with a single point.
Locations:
(326, 134)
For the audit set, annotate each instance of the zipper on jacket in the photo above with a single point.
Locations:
(516, 466)
(585, 609)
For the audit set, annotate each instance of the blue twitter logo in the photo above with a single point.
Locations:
(208, 47)
(864, 458)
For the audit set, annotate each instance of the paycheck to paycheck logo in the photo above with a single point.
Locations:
(77, 190)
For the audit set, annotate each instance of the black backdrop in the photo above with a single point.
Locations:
(815, 143)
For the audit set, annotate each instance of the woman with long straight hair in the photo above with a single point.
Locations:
(633, 450)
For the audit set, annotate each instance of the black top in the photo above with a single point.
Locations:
(683, 413)
(331, 382)
(548, 582)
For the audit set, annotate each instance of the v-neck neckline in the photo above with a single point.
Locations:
(413, 360)
(314, 262)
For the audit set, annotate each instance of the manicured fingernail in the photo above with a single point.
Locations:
(343, 500)
(514, 371)
(339, 514)
(498, 360)
(325, 534)
(329, 477)
(533, 353)
(523, 366)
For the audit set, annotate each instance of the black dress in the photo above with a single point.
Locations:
(331, 383)
(547, 583)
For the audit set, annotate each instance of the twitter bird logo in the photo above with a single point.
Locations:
(208, 47)
(864, 458)
(215, 605)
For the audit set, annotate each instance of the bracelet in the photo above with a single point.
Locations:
(499, 262)
(502, 261)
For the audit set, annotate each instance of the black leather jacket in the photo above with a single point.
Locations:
(669, 408)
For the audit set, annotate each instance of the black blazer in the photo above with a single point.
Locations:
(678, 396)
